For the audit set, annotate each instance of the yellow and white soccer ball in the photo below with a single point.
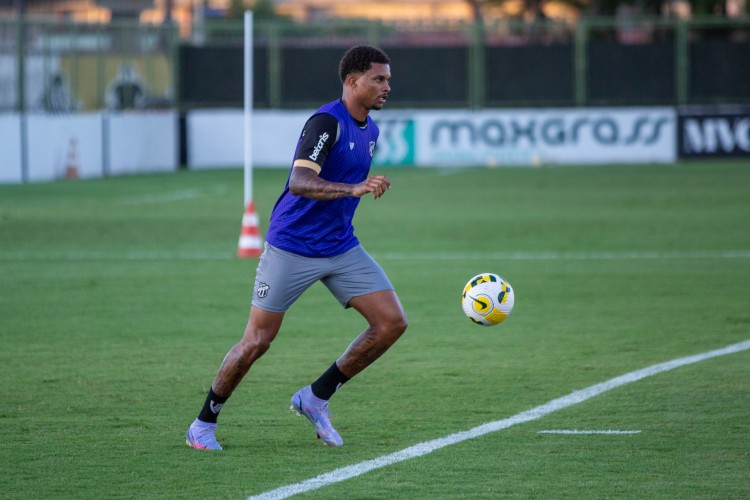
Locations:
(487, 299)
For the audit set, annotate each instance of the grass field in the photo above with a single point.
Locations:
(119, 298)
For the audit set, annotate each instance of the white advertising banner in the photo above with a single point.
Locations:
(454, 138)
(57, 143)
(215, 137)
(10, 149)
(546, 136)
(137, 142)
(142, 142)
(276, 135)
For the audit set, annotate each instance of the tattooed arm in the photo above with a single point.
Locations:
(318, 137)
(305, 181)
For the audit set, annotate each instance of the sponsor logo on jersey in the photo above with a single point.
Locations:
(372, 148)
(321, 142)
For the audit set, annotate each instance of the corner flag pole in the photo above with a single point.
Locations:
(250, 240)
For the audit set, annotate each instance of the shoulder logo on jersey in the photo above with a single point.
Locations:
(262, 290)
(321, 142)
(372, 148)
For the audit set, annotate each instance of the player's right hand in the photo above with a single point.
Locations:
(375, 184)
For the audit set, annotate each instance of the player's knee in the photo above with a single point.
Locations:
(253, 348)
(393, 327)
(400, 325)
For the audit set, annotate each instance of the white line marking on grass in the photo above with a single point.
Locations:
(603, 255)
(136, 255)
(179, 195)
(576, 431)
(420, 449)
(180, 255)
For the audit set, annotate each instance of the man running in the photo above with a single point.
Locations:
(311, 238)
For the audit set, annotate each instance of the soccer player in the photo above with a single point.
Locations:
(310, 238)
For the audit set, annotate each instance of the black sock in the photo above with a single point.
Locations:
(329, 382)
(211, 407)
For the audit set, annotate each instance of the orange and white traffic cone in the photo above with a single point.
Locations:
(250, 241)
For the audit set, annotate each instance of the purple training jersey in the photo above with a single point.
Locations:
(343, 150)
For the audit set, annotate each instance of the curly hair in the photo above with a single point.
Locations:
(359, 58)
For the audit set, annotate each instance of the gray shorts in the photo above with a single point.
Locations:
(282, 277)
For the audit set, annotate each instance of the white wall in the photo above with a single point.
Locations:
(97, 144)
(214, 137)
(56, 142)
(142, 142)
(454, 138)
(139, 142)
(10, 148)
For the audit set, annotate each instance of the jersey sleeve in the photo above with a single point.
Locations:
(318, 137)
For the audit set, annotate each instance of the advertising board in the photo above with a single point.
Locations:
(59, 142)
(454, 138)
(717, 132)
(142, 142)
(528, 137)
(10, 145)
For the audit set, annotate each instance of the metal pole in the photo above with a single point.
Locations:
(477, 66)
(21, 86)
(248, 135)
(20, 56)
(580, 63)
(682, 70)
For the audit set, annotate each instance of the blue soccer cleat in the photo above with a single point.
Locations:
(316, 411)
(200, 435)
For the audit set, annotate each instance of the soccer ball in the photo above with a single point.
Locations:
(487, 299)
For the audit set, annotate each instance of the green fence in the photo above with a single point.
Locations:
(67, 67)
(594, 62)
